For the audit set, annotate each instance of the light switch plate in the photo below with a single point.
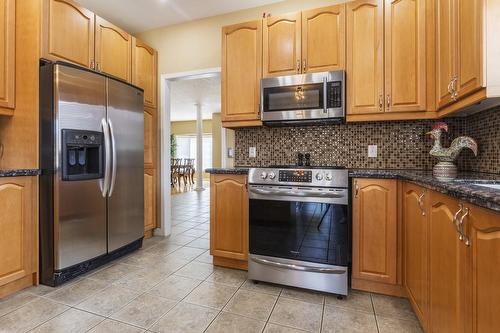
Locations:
(252, 152)
(372, 151)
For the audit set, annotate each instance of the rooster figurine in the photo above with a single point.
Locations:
(445, 169)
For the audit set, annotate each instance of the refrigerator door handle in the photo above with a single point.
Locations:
(104, 182)
(113, 173)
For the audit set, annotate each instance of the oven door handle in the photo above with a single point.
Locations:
(298, 194)
(298, 267)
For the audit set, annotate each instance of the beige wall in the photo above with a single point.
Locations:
(197, 44)
(216, 140)
(189, 127)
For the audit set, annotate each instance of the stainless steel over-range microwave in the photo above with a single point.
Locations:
(303, 98)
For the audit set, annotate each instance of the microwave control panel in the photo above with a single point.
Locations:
(334, 94)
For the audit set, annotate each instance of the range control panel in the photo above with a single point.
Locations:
(299, 176)
(295, 176)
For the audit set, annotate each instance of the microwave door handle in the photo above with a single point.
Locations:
(325, 97)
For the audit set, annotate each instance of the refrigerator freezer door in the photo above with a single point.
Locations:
(79, 207)
(126, 191)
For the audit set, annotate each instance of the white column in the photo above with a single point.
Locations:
(199, 148)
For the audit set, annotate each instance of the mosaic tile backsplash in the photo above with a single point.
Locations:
(401, 144)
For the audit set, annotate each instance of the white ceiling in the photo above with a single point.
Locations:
(185, 94)
(141, 15)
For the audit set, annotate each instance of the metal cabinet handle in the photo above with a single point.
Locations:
(304, 65)
(380, 102)
(421, 203)
(356, 189)
(454, 93)
(450, 90)
(463, 237)
(455, 217)
(92, 64)
(298, 65)
(388, 100)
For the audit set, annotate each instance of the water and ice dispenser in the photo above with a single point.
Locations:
(82, 155)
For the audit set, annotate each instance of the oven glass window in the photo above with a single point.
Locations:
(311, 232)
(300, 97)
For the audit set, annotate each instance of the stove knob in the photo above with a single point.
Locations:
(263, 175)
(328, 176)
(319, 176)
(272, 175)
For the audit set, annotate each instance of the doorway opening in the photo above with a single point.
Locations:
(192, 140)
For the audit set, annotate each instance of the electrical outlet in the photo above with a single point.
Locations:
(252, 152)
(372, 151)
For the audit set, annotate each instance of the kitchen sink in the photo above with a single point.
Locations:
(492, 186)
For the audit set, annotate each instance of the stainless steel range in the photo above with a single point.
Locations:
(300, 227)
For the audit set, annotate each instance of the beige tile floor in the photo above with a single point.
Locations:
(170, 285)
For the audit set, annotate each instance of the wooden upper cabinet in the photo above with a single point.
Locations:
(68, 33)
(483, 230)
(365, 57)
(375, 230)
(282, 45)
(17, 229)
(405, 55)
(149, 138)
(445, 50)
(446, 268)
(7, 55)
(229, 216)
(470, 46)
(112, 50)
(149, 199)
(416, 250)
(323, 39)
(145, 70)
(241, 71)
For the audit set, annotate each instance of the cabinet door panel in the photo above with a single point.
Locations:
(229, 217)
(145, 70)
(323, 39)
(149, 138)
(17, 230)
(447, 267)
(68, 32)
(281, 50)
(445, 50)
(405, 55)
(470, 46)
(7, 53)
(241, 71)
(375, 230)
(113, 49)
(149, 199)
(365, 52)
(416, 248)
(484, 226)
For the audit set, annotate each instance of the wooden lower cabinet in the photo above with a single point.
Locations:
(416, 248)
(447, 267)
(375, 229)
(149, 201)
(229, 220)
(483, 270)
(18, 234)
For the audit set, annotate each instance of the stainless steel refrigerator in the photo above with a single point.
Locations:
(92, 161)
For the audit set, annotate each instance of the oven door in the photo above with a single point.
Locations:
(310, 225)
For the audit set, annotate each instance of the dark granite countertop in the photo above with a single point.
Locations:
(228, 171)
(19, 172)
(463, 187)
